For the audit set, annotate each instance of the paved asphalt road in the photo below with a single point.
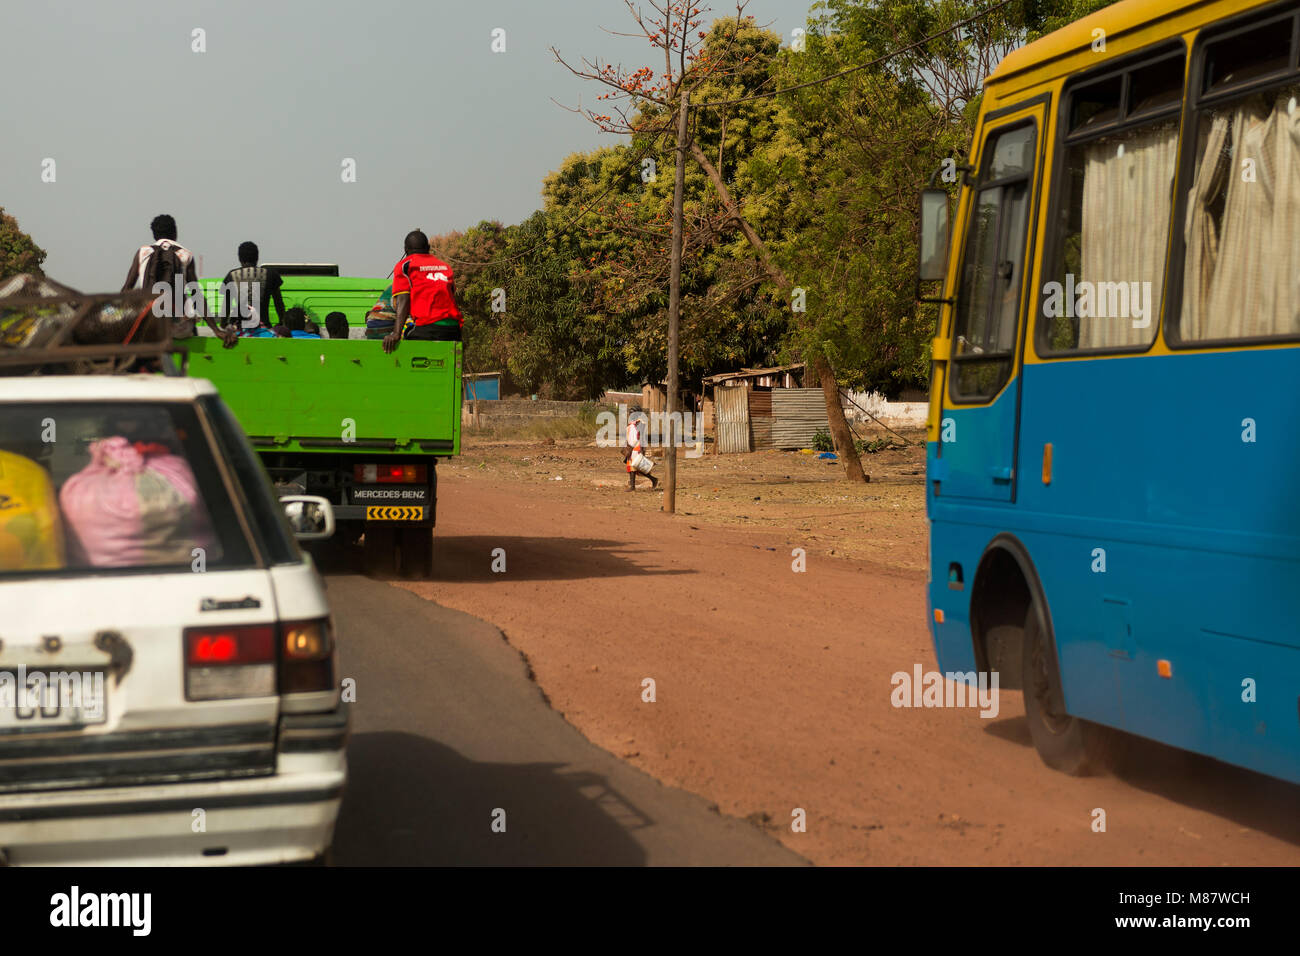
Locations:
(447, 728)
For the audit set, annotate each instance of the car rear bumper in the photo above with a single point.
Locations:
(284, 817)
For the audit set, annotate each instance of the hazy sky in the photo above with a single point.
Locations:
(247, 139)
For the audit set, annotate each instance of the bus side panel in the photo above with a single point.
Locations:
(976, 448)
(1169, 545)
(961, 543)
(1227, 696)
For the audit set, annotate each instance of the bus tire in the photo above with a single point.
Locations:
(1069, 744)
(379, 551)
(415, 551)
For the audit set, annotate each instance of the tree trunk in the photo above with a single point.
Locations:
(841, 434)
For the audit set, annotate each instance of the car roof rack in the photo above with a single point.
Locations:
(48, 328)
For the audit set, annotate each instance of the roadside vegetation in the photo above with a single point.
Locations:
(826, 177)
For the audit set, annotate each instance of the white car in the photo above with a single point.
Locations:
(168, 685)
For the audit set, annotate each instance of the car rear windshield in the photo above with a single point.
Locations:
(262, 504)
(112, 487)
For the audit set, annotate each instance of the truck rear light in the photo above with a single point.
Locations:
(226, 662)
(306, 656)
(389, 474)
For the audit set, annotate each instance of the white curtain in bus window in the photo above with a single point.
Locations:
(1241, 275)
(1127, 192)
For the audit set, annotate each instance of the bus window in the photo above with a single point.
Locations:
(1157, 87)
(1115, 201)
(1247, 56)
(1097, 104)
(988, 299)
(1241, 256)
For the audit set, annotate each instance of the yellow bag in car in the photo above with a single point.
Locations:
(31, 529)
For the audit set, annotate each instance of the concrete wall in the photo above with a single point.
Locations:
(893, 414)
(509, 412)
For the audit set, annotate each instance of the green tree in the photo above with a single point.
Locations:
(18, 253)
(471, 253)
(731, 314)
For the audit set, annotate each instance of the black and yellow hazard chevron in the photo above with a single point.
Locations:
(394, 513)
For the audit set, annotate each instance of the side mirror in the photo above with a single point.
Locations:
(933, 266)
(310, 517)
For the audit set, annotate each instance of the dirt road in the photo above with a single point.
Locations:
(773, 687)
(446, 732)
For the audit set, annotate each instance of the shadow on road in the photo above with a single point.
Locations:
(469, 559)
(1246, 798)
(413, 802)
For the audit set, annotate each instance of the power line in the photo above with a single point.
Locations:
(853, 69)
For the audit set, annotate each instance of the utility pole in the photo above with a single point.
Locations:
(675, 305)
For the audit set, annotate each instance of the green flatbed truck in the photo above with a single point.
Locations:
(344, 420)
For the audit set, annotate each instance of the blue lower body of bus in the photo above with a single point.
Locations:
(1163, 541)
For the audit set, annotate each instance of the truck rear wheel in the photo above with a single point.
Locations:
(415, 550)
(379, 551)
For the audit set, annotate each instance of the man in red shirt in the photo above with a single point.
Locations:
(424, 288)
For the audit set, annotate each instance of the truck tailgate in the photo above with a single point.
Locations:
(316, 395)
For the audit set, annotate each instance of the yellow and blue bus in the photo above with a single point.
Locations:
(1114, 430)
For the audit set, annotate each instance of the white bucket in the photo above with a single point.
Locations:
(640, 463)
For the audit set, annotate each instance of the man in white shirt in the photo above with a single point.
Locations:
(166, 261)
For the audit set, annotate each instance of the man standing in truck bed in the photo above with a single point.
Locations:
(424, 288)
(168, 264)
(248, 292)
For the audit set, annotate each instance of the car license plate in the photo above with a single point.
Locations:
(47, 698)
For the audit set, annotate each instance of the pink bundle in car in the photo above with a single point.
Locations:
(134, 505)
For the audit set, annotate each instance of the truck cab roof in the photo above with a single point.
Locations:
(304, 268)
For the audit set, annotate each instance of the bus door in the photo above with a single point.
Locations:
(977, 427)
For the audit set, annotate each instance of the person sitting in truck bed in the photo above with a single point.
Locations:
(379, 320)
(296, 322)
(424, 289)
(253, 287)
(336, 325)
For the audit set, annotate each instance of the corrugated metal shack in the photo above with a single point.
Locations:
(758, 408)
(733, 420)
(797, 415)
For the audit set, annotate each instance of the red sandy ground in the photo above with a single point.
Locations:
(773, 687)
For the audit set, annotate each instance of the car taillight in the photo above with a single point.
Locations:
(306, 656)
(389, 474)
(227, 662)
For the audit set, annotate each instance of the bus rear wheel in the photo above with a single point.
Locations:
(1066, 743)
